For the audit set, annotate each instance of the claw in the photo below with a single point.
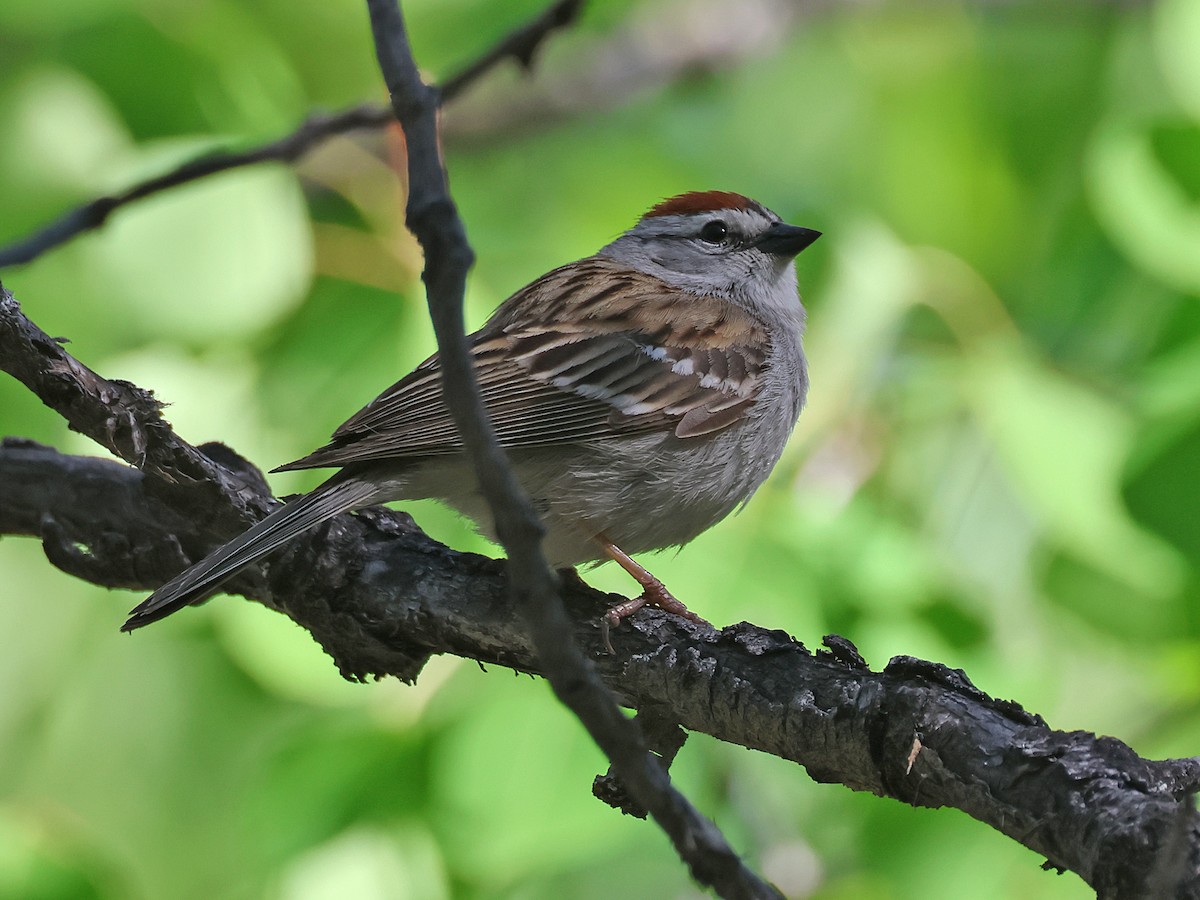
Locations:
(654, 593)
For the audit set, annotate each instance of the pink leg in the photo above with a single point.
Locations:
(654, 591)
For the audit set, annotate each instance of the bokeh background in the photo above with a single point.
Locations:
(997, 468)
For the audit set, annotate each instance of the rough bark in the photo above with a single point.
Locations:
(381, 597)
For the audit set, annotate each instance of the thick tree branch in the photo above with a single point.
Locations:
(126, 420)
(433, 218)
(380, 597)
(520, 45)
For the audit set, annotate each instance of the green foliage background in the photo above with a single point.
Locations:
(997, 468)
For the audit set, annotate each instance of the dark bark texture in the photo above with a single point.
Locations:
(381, 597)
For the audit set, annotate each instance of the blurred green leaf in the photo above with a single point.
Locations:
(1177, 147)
(240, 248)
(1161, 495)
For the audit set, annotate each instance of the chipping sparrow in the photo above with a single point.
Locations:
(642, 394)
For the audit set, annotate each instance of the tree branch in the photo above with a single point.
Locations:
(380, 596)
(521, 45)
(127, 420)
(95, 213)
(433, 218)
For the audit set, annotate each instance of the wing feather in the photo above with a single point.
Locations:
(587, 350)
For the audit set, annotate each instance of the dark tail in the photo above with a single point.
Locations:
(201, 580)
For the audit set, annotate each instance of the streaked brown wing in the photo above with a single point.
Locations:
(586, 351)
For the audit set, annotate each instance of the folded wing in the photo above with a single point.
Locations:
(587, 351)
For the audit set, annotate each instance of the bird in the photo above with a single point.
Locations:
(642, 394)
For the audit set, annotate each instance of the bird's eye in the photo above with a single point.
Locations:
(714, 232)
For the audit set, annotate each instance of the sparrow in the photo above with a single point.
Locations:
(642, 394)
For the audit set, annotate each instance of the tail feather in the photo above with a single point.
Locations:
(205, 577)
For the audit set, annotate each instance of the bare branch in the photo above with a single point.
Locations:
(433, 218)
(660, 44)
(95, 213)
(521, 45)
(380, 597)
(126, 420)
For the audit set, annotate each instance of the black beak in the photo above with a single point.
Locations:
(786, 240)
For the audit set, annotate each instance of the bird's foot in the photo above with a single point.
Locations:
(654, 593)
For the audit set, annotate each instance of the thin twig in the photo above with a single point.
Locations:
(433, 218)
(290, 148)
(521, 44)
